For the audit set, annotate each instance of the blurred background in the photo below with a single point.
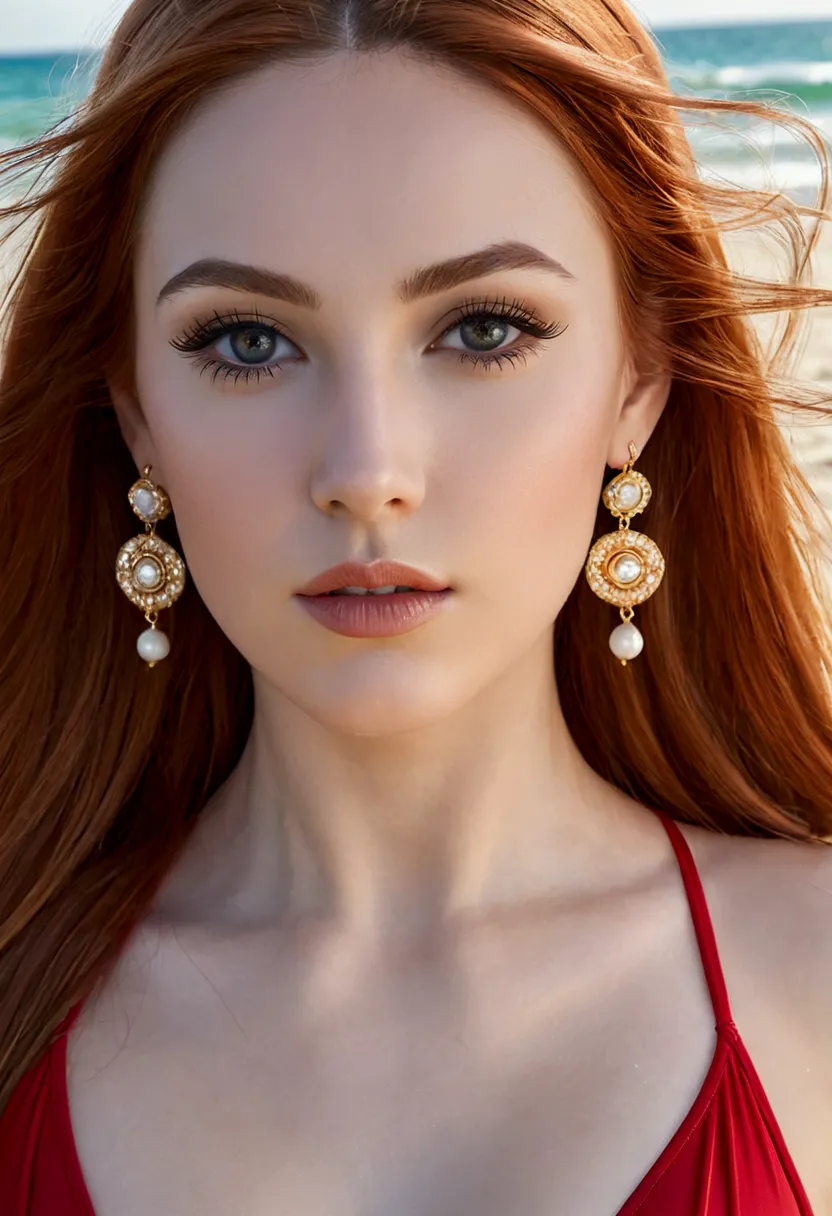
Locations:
(776, 51)
(719, 48)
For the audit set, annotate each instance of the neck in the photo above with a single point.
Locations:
(404, 834)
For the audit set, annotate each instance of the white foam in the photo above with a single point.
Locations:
(754, 76)
(791, 177)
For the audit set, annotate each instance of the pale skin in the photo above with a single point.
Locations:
(481, 992)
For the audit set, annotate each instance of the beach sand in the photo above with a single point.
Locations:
(756, 254)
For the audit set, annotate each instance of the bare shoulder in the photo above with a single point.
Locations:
(771, 906)
(775, 894)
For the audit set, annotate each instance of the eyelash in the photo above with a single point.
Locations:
(205, 333)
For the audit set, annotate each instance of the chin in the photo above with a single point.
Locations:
(379, 695)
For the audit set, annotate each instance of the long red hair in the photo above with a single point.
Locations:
(725, 720)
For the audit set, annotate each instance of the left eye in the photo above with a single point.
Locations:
(252, 345)
(481, 335)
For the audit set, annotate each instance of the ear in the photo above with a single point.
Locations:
(645, 397)
(133, 427)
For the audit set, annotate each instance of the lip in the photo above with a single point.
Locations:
(371, 575)
(373, 616)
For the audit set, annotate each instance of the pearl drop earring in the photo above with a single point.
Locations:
(149, 571)
(625, 568)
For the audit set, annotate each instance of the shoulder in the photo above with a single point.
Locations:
(770, 902)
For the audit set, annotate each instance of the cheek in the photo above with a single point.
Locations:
(529, 495)
(237, 494)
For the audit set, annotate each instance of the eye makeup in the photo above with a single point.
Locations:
(253, 337)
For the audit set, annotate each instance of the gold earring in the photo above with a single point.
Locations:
(625, 568)
(149, 571)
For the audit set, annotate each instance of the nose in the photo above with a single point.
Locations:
(370, 464)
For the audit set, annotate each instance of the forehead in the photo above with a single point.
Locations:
(363, 165)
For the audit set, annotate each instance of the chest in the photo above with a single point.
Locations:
(533, 1080)
(428, 1128)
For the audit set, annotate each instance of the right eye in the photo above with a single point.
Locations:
(244, 347)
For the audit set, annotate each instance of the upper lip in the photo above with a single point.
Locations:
(374, 574)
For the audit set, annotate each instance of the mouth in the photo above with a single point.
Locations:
(386, 611)
(381, 599)
(370, 590)
(380, 578)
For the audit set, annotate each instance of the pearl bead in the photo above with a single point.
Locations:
(147, 573)
(627, 568)
(628, 495)
(626, 642)
(153, 645)
(145, 502)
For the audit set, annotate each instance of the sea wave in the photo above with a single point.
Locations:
(721, 135)
(810, 83)
(754, 76)
(799, 180)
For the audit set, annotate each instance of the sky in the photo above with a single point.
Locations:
(30, 25)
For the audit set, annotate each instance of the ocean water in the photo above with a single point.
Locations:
(786, 65)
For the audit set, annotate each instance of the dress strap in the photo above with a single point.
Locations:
(701, 921)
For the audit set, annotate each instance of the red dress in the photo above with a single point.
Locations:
(728, 1157)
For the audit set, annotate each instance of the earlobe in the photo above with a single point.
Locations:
(132, 425)
(638, 416)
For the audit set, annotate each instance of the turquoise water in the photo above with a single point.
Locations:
(38, 90)
(786, 64)
(729, 60)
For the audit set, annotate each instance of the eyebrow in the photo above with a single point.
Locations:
(430, 280)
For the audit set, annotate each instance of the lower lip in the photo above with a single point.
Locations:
(374, 616)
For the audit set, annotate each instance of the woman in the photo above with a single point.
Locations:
(324, 903)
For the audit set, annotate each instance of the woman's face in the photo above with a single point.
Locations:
(360, 408)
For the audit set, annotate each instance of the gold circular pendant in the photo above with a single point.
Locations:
(150, 572)
(624, 568)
